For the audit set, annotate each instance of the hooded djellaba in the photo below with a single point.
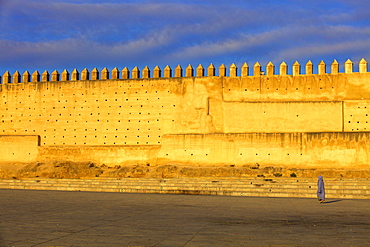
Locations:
(321, 189)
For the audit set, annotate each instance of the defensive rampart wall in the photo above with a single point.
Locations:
(316, 120)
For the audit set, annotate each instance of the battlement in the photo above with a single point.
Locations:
(245, 71)
(191, 116)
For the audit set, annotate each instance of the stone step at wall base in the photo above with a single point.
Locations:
(356, 194)
(312, 183)
(201, 192)
(347, 182)
(175, 186)
(179, 183)
(169, 185)
(179, 186)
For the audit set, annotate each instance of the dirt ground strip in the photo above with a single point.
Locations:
(89, 170)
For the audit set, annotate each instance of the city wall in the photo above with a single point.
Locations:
(186, 118)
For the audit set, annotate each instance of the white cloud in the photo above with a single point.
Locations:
(73, 33)
(353, 50)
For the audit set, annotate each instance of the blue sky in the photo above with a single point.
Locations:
(66, 34)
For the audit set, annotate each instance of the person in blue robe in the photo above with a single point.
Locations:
(321, 189)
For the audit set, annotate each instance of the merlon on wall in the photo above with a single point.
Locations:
(316, 120)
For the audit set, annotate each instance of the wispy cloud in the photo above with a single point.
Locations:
(62, 34)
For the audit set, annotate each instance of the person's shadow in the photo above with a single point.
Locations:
(332, 201)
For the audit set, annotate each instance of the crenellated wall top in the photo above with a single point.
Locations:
(135, 73)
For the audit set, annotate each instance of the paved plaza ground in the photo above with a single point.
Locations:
(57, 218)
